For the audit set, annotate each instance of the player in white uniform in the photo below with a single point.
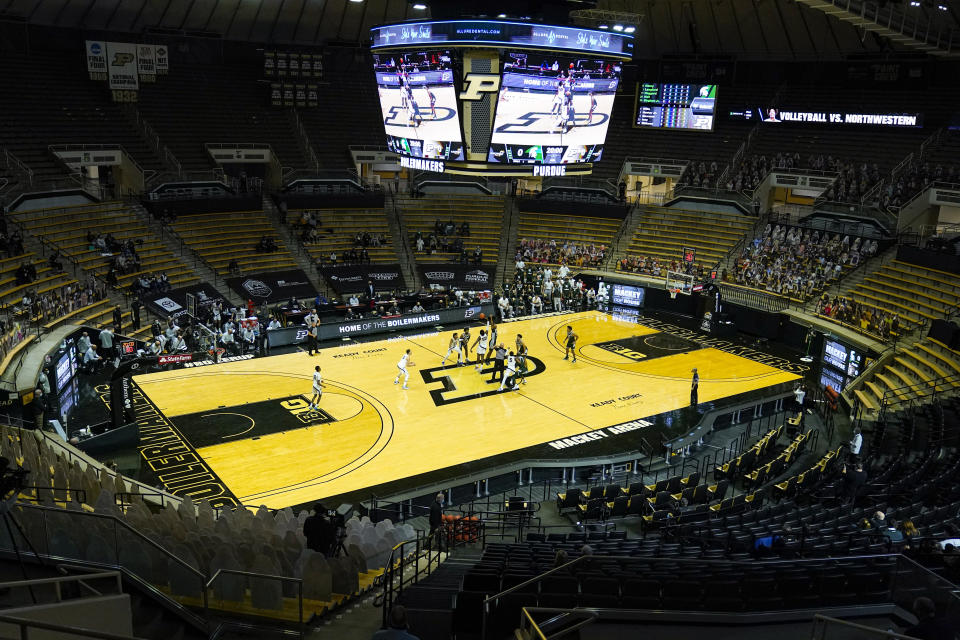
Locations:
(317, 388)
(509, 375)
(405, 362)
(453, 348)
(481, 344)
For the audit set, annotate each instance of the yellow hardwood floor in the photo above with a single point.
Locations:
(382, 433)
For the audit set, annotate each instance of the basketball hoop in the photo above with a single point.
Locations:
(673, 293)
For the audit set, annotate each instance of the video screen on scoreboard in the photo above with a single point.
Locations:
(676, 106)
(552, 109)
(419, 104)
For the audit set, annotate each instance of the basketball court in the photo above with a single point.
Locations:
(248, 425)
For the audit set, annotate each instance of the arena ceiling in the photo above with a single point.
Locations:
(672, 25)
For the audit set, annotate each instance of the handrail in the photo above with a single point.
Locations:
(25, 624)
(261, 576)
(820, 626)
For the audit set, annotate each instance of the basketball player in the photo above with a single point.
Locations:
(509, 379)
(521, 359)
(482, 345)
(571, 117)
(465, 344)
(433, 103)
(593, 105)
(571, 342)
(405, 362)
(317, 388)
(557, 100)
(454, 347)
(492, 333)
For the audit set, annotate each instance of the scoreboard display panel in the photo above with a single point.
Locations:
(676, 106)
(553, 109)
(419, 104)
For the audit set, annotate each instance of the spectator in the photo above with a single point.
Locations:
(397, 628)
(91, 360)
(929, 625)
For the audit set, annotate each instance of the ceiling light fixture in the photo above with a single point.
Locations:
(603, 26)
(419, 6)
(618, 27)
(630, 29)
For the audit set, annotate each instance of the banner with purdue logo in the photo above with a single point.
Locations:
(273, 286)
(461, 276)
(122, 66)
(353, 278)
(97, 59)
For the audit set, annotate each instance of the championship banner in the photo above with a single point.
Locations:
(306, 65)
(146, 63)
(269, 64)
(273, 286)
(173, 303)
(293, 64)
(313, 95)
(276, 94)
(368, 326)
(288, 95)
(318, 65)
(162, 59)
(353, 278)
(96, 59)
(122, 66)
(461, 276)
(301, 95)
(281, 64)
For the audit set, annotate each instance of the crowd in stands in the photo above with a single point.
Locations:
(853, 182)
(549, 252)
(868, 319)
(913, 180)
(266, 245)
(11, 244)
(699, 174)
(796, 262)
(658, 267)
(150, 283)
(350, 256)
(538, 288)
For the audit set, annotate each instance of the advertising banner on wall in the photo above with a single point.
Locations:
(273, 286)
(353, 328)
(353, 278)
(173, 303)
(461, 276)
(122, 65)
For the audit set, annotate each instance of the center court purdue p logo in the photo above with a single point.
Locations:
(477, 84)
(461, 383)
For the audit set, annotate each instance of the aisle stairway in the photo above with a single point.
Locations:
(431, 602)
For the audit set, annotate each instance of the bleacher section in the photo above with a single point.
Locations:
(484, 213)
(91, 515)
(337, 230)
(664, 232)
(220, 238)
(64, 107)
(576, 230)
(61, 228)
(917, 372)
(198, 104)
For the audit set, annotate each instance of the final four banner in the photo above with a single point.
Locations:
(97, 59)
(146, 63)
(122, 65)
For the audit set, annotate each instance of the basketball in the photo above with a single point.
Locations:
(483, 316)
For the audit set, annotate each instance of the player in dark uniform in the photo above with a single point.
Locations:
(465, 346)
(521, 360)
(571, 117)
(415, 116)
(571, 344)
(593, 105)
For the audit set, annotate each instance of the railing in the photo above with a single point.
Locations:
(907, 579)
(58, 630)
(305, 140)
(716, 193)
(14, 164)
(825, 628)
(893, 16)
(918, 393)
(396, 575)
(558, 623)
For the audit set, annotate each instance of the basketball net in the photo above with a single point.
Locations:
(673, 293)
